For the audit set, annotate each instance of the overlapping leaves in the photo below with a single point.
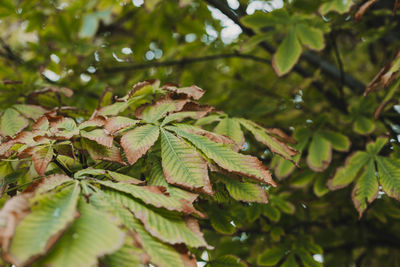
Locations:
(149, 133)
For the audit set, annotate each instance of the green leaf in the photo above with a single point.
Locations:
(319, 153)
(30, 111)
(307, 259)
(137, 141)
(226, 261)
(82, 243)
(231, 128)
(221, 221)
(283, 167)
(127, 256)
(389, 176)
(48, 218)
(290, 261)
(271, 256)
(366, 189)
(242, 191)
(226, 158)
(287, 53)
(311, 37)
(363, 125)
(271, 212)
(183, 165)
(339, 141)
(167, 227)
(320, 188)
(262, 19)
(346, 174)
(340, 6)
(12, 122)
(99, 136)
(373, 148)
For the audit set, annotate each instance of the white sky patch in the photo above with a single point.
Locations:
(318, 257)
(191, 37)
(149, 55)
(264, 6)
(234, 4)
(55, 58)
(137, 2)
(85, 78)
(51, 75)
(126, 51)
(230, 30)
(204, 256)
(201, 264)
(91, 69)
(117, 58)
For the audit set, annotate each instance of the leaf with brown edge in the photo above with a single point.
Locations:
(136, 142)
(385, 76)
(226, 158)
(30, 111)
(97, 121)
(193, 91)
(183, 165)
(41, 157)
(158, 110)
(99, 136)
(11, 122)
(231, 128)
(319, 153)
(156, 222)
(366, 188)
(152, 195)
(346, 174)
(361, 11)
(157, 178)
(114, 124)
(244, 191)
(12, 212)
(262, 135)
(40, 229)
(99, 152)
(41, 123)
(280, 134)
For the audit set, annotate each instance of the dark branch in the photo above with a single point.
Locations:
(183, 61)
(62, 167)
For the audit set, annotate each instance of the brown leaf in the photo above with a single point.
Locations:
(41, 124)
(361, 11)
(140, 85)
(281, 135)
(99, 136)
(192, 91)
(193, 225)
(12, 212)
(396, 6)
(41, 157)
(385, 76)
(97, 121)
(114, 124)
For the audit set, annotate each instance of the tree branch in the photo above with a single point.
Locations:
(62, 167)
(312, 58)
(183, 61)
